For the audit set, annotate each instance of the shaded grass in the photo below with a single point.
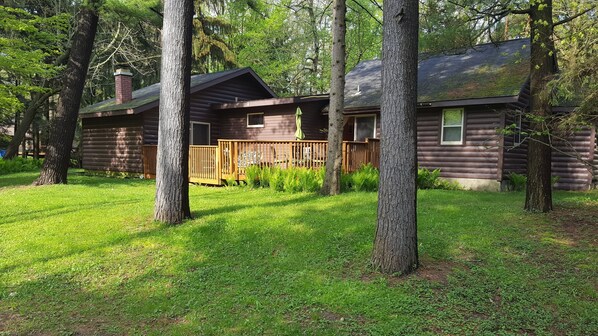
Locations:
(86, 258)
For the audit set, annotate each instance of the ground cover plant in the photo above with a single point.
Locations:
(86, 258)
(309, 180)
(18, 165)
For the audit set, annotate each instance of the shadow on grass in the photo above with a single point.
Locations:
(60, 210)
(241, 276)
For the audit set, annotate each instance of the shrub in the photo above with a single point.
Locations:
(366, 178)
(310, 180)
(277, 178)
(19, 164)
(554, 180)
(291, 180)
(264, 176)
(231, 182)
(252, 176)
(428, 179)
(346, 182)
(517, 182)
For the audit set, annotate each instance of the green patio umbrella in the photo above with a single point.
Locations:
(299, 135)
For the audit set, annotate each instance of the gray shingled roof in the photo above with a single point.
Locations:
(484, 71)
(151, 93)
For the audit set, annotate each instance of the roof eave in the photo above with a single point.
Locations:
(155, 103)
(269, 102)
(441, 103)
(107, 113)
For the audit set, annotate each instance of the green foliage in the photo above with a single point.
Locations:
(517, 182)
(29, 43)
(277, 178)
(4, 140)
(19, 164)
(231, 182)
(252, 176)
(365, 178)
(290, 180)
(427, 179)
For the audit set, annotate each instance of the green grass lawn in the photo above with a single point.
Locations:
(86, 258)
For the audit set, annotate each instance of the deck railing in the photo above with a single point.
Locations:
(230, 158)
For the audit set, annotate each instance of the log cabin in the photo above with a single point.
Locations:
(465, 99)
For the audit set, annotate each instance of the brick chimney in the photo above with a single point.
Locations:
(124, 85)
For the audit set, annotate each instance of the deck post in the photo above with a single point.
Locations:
(218, 164)
(345, 160)
(234, 158)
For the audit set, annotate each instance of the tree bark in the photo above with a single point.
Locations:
(538, 197)
(62, 131)
(332, 185)
(172, 178)
(395, 245)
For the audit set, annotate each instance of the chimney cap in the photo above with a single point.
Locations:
(123, 72)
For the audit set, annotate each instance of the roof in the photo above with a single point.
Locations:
(150, 95)
(484, 71)
(271, 102)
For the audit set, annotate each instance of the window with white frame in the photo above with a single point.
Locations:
(452, 126)
(364, 127)
(199, 133)
(255, 119)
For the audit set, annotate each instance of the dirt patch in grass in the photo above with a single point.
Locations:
(437, 270)
(577, 224)
(8, 321)
(429, 269)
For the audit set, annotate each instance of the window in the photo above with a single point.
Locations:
(200, 134)
(452, 127)
(365, 127)
(255, 119)
(517, 131)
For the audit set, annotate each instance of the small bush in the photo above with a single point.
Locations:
(19, 164)
(346, 182)
(252, 176)
(428, 179)
(231, 182)
(310, 180)
(264, 176)
(366, 178)
(554, 180)
(517, 182)
(277, 178)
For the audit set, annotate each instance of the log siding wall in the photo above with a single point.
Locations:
(279, 122)
(113, 144)
(568, 156)
(476, 158)
(240, 88)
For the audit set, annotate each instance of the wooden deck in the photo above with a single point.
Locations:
(229, 159)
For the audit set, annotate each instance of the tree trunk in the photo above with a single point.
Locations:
(172, 177)
(538, 197)
(62, 131)
(13, 147)
(395, 245)
(332, 185)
